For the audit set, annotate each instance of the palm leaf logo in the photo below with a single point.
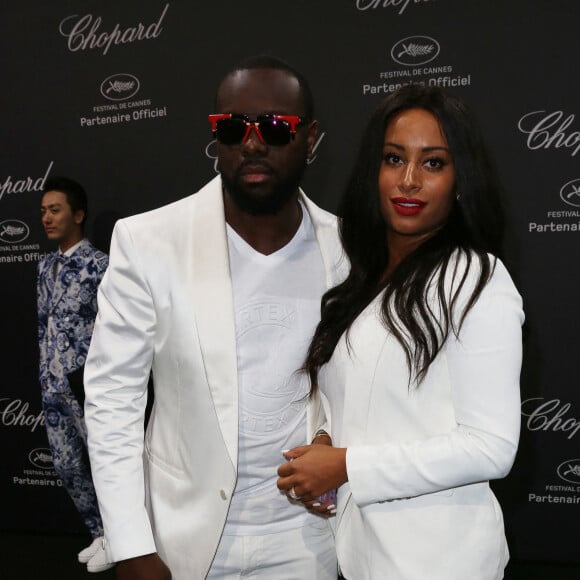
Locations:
(413, 49)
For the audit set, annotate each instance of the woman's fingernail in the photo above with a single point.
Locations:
(331, 507)
(317, 504)
(333, 511)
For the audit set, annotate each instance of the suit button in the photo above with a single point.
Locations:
(223, 494)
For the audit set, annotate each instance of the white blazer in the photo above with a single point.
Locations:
(166, 303)
(418, 503)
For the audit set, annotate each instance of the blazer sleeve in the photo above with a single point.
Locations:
(484, 365)
(116, 375)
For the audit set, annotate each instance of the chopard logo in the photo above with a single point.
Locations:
(570, 471)
(549, 415)
(41, 458)
(374, 4)
(26, 184)
(84, 32)
(415, 50)
(546, 130)
(15, 413)
(13, 231)
(570, 192)
(120, 87)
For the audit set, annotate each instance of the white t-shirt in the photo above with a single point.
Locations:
(277, 306)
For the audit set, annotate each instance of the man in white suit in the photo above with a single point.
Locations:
(218, 294)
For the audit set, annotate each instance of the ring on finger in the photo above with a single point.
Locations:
(293, 494)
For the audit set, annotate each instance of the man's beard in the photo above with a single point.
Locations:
(264, 204)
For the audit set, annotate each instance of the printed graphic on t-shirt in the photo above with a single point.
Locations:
(271, 395)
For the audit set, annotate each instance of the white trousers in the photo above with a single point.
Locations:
(305, 553)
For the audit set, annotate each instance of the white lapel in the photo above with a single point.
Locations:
(212, 297)
(325, 227)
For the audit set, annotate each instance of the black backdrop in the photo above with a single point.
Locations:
(116, 95)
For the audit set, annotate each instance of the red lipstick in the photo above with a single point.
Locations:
(407, 206)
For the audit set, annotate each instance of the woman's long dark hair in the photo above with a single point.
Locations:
(474, 229)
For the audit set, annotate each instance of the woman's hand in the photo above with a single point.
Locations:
(312, 470)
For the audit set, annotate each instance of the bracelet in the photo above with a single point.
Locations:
(319, 433)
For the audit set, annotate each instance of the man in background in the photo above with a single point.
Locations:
(219, 293)
(67, 305)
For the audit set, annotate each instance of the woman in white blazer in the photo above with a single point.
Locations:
(418, 354)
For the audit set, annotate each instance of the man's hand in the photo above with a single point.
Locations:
(149, 567)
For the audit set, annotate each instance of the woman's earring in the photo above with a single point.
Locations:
(457, 196)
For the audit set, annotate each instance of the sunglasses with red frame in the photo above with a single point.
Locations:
(233, 129)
